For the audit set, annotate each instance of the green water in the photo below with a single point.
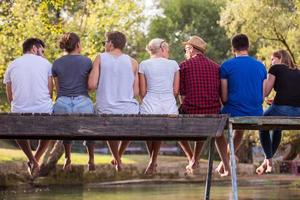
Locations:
(150, 192)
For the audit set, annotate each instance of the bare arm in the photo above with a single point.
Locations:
(176, 83)
(269, 84)
(94, 74)
(143, 85)
(50, 86)
(224, 90)
(55, 79)
(135, 68)
(9, 92)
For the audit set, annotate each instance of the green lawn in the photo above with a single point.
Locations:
(13, 155)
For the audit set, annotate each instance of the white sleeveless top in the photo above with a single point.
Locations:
(115, 94)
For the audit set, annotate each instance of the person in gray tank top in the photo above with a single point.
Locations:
(70, 73)
(114, 76)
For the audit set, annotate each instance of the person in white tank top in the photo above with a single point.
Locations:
(114, 76)
(159, 87)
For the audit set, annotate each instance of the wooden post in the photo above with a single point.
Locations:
(211, 142)
(232, 162)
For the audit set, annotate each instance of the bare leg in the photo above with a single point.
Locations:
(197, 152)
(113, 146)
(238, 136)
(91, 164)
(149, 145)
(42, 147)
(67, 166)
(122, 147)
(223, 169)
(187, 150)
(33, 165)
(151, 169)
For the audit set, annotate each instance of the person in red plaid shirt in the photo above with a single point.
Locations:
(200, 94)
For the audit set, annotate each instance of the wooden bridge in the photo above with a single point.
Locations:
(140, 127)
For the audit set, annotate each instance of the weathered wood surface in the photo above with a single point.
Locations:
(112, 127)
(266, 123)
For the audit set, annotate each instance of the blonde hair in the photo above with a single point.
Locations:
(155, 44)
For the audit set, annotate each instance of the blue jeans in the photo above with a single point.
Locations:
(78, 104)
(270, 142)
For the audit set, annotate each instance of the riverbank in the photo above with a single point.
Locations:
(13, 172)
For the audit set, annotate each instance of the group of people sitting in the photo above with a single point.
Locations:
(123, 86)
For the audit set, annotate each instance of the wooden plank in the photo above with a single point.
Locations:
(266, 123)
(113, 127)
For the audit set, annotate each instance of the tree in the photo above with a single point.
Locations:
(181, 19)
(269, 24)
(48, 19)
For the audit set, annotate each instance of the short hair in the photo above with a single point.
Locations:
(117, 38)
(30, 42)
(69, 41)
(240, 42)
(155, 45)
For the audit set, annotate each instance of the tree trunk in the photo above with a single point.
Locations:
(51, 157)
(244, 152)
(292, 150)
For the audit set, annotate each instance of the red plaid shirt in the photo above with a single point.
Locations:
(200, 84)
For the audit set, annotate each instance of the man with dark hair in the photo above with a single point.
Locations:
(115, 77)
(200, 93)
(117, 38)
(28, 82)
(242, 83)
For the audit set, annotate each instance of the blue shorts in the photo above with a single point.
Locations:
(77, 104)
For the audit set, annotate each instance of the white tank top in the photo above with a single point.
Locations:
(115, 94)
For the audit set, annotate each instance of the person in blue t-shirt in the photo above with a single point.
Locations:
(242, 82)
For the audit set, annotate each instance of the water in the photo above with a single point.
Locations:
(151, 192)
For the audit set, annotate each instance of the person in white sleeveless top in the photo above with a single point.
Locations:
(115, 77)
(159, 86)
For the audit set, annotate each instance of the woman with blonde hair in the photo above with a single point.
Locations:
(159, 87)
(284, 77)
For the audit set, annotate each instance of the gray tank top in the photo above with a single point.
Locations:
(115, 94)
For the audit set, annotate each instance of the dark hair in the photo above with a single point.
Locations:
(285, 58)
(240, 42)
(30, 42)
(117, 38)
(69, 41)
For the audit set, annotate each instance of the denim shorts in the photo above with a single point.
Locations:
(77, 104)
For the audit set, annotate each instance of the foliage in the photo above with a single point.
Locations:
(48, 19)
(271, 25)
(181, 19)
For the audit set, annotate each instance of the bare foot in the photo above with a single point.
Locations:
(113, 162)
(33, 169)
(269, 167)
(151, 169)
(261, 169)
(118, 167)
(220, 168)
(67, 166)
(192, 167)
(225, 173)
(91, 166)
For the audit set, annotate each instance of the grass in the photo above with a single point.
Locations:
(16, 155)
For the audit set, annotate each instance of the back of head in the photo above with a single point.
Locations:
(117, 38)
(69, 41)
(30, 42)
(285, 58)
(155, 45)
(240, 42)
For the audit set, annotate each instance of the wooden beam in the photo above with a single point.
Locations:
(112, 127)
(266, 123)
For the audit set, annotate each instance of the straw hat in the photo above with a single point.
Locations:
(196, 42)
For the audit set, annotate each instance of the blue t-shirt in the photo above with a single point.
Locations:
(245, 76)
